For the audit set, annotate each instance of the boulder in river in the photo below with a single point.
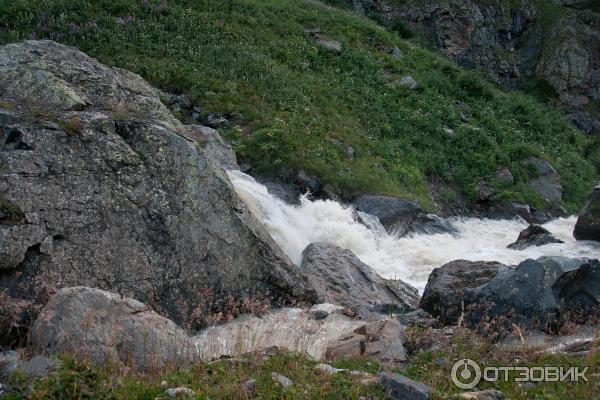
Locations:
(101, 186)
(402, 217)
(588, 223)
(444, 295)
(339, 277)
(533, 235)
(530, 294)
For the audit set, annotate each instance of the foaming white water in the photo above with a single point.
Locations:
(411, 258)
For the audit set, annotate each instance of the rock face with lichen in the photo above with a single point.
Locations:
(549, 47)
(101, 186)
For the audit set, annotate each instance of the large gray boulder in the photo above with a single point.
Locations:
(529, 293)
(339, 277)
(588, 223)
(101, 186)
(103, 327)
(401, 217)
(444, 295)
(547, 181)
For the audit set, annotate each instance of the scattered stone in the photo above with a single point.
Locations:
(282, 380)
(339, 277)
(533, 235)
(489, 394)
(504, 175)
(179, 392)
(320, 314)
(331, 45)
(419, 318)
(328, 369)
(216, 121)
(446, 288)
(381, 341)
(407, 82)
(448, 131)
(179, 102)
(398, 387)
(396, 53)
(442, 361)
(102, 327)
(588, 223)
(350, 153)
(483, 191)
(249, 387)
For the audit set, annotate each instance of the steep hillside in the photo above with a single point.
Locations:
(549, 48)
(292, 101)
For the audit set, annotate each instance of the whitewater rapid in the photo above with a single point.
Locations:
(411, 259)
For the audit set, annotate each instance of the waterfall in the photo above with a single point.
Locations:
(411, 259)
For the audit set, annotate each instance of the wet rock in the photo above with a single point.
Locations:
(547, 182)
(588, 223)
(103, 327)
(579, 290)
(131, 204)
(401, 217)
(526, 294)
(444, 295)
(284, 381)
(307, 182)
(483, 191)
(533, 235)
(339, 277)
(398, 387)
(508, 211)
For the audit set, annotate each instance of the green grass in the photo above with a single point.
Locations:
(219, 380)
(224, 379)
(305, 105)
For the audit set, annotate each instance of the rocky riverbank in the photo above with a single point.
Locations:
(124, 246)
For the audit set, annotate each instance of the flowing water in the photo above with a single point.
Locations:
(411, 259)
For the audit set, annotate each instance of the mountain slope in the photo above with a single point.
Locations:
(297, 105)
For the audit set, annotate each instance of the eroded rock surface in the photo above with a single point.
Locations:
(339, 277)
(101, 186)
(103, 327)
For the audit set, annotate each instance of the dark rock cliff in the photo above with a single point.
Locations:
(551, 48)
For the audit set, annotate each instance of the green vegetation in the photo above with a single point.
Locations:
(9, 213)
(304, 104)
(224, 379)
(218, 380)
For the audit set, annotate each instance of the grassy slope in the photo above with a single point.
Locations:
(224, 379)
(305, 105)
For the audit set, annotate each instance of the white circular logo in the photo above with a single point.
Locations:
(465, 374)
